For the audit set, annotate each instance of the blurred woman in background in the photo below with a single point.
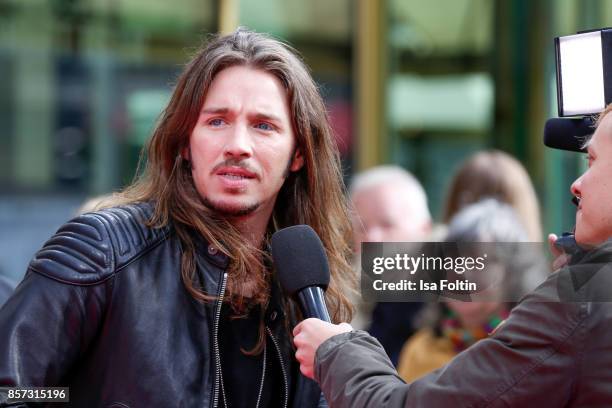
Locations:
(498, 175)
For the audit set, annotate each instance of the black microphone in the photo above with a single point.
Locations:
(303, 272)
(567, 243)
(568, 133)
(302, 268)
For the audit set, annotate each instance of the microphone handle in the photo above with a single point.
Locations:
(312, 303)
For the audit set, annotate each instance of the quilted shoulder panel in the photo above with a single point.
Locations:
(91, 247)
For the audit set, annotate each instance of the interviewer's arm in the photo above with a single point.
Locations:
(532, 360)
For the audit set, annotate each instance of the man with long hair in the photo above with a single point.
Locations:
(167, 295)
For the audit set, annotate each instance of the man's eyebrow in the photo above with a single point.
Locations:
(258, 115)
(214, 110)
(267, 116)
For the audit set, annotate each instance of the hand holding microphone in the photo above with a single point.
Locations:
(308, 336)
(560, 258)
(303, 272)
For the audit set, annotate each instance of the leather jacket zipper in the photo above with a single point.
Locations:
(282, 364)
(219, 376)
(263, 377)
(217, 353)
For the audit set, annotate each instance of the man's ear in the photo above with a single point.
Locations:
(298, 160)
(186, 153)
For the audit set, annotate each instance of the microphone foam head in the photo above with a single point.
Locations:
(300, 259)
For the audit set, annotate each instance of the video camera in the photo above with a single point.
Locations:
(584, 88)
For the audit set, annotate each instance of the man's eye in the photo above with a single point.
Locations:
(216, 122)
(264, 126)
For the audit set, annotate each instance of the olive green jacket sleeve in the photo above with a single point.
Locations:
(553, 351)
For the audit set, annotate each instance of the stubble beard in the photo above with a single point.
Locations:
(228, 210)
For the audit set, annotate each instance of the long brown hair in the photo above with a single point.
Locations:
(314, 195)
(498, 175)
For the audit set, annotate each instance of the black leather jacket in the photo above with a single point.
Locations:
(6, 288)
(103, 310)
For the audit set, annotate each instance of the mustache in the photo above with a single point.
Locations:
(233, 162)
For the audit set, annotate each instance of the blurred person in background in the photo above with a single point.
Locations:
(168, 298)
(389, 205)
(497, 175)
(452, 326)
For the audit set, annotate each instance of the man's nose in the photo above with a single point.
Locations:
(238, 143)
(576, 187)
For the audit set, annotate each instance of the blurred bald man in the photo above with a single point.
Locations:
(390, 205)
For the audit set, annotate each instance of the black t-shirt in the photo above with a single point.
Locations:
(242, 374)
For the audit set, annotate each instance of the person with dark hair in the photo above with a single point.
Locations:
(168, 297)
(553, 350)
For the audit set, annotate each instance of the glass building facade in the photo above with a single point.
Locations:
(418, 83)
